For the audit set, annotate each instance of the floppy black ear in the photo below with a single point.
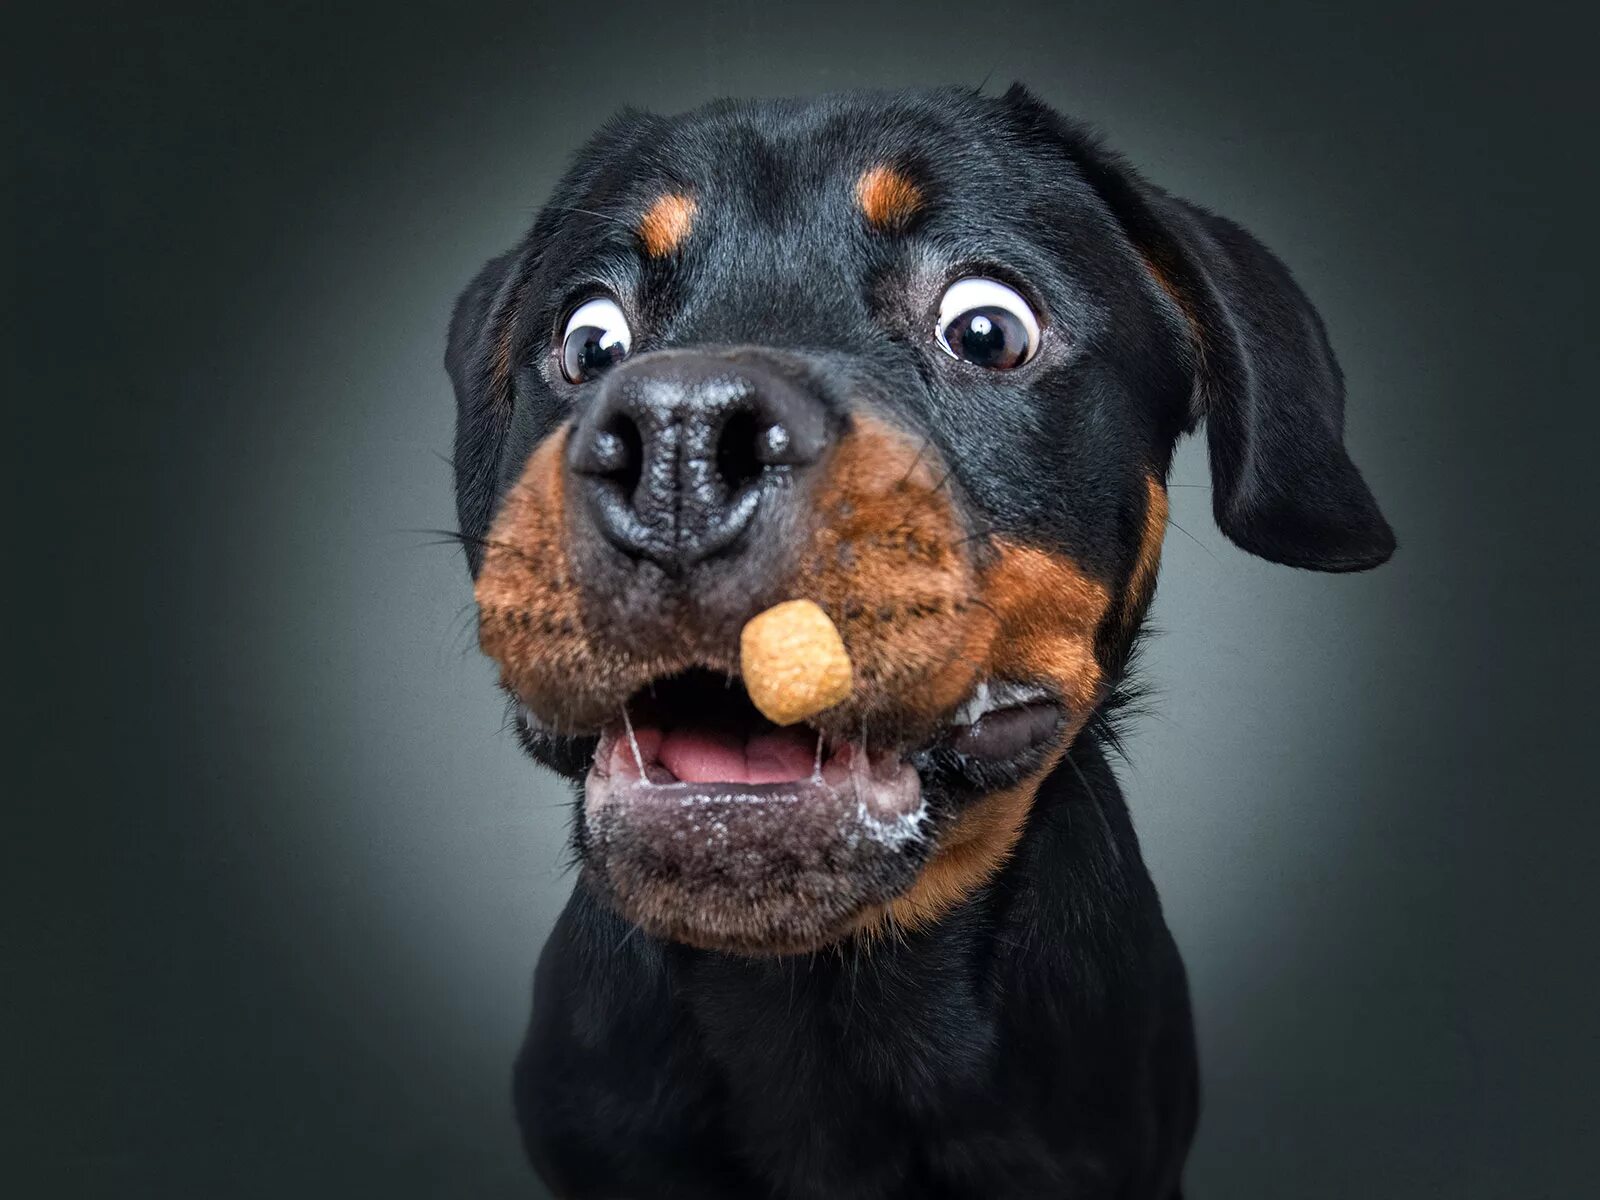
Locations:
(1267, 385)
(1272, 396)
(481, 346)
(475, 359)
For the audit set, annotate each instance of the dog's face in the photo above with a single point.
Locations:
(920, 358)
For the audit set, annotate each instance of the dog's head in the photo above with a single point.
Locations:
(921, 358)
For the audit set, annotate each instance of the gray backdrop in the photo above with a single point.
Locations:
(279, 876)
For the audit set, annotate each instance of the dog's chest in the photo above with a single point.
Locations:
(828, 1060)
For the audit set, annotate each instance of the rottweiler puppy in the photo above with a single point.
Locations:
(921, 358)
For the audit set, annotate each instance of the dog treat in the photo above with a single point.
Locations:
(794, 662)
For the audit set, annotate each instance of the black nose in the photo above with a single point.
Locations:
(681, 450)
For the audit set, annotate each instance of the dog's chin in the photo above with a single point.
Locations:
(752, 865)
(704, 823)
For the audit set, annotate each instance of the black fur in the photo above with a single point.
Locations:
(1037, 1042)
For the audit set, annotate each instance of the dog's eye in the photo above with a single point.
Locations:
(983, 322)
(597, 338)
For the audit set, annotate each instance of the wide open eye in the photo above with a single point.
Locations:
(597, 338)
(983, 322)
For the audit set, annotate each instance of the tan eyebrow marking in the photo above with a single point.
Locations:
(888, 197)
(666, 223)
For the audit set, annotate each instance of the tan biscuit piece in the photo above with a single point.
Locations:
(794, 662)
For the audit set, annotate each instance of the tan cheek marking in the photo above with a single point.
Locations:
(885, 560)
(887, 564)
(528, 616)
(1046, 611)
(887, 197)
(666, 224)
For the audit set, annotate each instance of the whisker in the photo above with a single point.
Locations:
(462, 622)
(589, 212)
(1192, 538)
(457, 537)
(939, 487)
(987, 607)
(1082, 778)
(622, 944)
(921, 450)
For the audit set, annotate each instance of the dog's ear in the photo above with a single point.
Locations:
(480, 348)
(469, 349)
(1272, 395)
(1267, 385)
(475, 357)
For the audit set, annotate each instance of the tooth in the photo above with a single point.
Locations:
(974, 706)
(986, 699)
(633, 743)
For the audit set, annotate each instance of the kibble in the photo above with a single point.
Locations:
(794, 662)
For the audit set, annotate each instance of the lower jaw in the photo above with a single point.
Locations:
(755, 868)
(777, 863)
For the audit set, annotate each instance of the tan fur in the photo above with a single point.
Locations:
(528, 605)
(666, 224)
(884, 561)
(888, 561)
(887, 197)
(1141, 584)
(1047, 610)
(1044, 613)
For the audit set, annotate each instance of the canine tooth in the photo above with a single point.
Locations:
(974, 706)
(986, 699)
(633, 744)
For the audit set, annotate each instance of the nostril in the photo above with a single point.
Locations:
(675, 454)
(618, 453)
(738, 458)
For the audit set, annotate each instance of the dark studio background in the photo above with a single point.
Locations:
(277, 878)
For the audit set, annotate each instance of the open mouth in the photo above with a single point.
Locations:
(699, 728)
(707, 823)
(697, 735)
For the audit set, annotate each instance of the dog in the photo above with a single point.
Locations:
(921, 358)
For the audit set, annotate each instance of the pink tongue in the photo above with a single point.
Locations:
(710, 756)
